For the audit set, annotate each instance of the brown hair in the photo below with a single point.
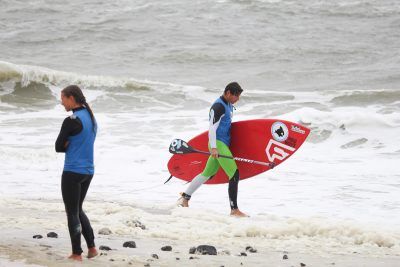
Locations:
(76, 93)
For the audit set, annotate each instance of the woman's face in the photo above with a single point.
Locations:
(68, 102)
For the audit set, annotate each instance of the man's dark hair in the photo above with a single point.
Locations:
(234, 88)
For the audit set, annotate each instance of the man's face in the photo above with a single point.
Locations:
(231, 98)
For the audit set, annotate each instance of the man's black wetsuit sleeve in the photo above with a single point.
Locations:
(71, 126)
(217, 111)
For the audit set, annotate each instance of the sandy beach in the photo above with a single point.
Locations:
(181, 229)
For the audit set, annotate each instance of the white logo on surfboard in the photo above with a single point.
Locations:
(279, 131)
(297, 129)
(277, 150)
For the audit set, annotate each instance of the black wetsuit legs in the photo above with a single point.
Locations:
(74, 187)
(233, 190)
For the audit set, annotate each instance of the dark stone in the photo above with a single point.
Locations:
(129, 244)
(192, 250)
(147, 265)
(285, 257)
(193, 258)
(166, 248)
(52, 235)
(251, 249)
(177, 259)
(302, 264)
(111, 259)
(37, 236)
(244, 254)
(104, 248)
(206, 250)
(154, 256)
(103, 254)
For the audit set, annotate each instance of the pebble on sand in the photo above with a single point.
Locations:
(251, 249)
(129, 244)
(52, 235)
(166, 248)
(206, 250)
(104, 248)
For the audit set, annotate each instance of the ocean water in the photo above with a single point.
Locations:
(151, 70)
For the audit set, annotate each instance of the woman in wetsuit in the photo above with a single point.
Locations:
(76, 140)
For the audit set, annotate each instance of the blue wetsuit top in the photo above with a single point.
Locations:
(220, 119)
(78, 131)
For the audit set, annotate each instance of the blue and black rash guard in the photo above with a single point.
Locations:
(220, 119)
(79, 132)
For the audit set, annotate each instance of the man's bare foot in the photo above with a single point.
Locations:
(75, 257)
(182, 202)
(92, 252)
(238, 213)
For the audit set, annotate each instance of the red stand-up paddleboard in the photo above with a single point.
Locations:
(264, 140)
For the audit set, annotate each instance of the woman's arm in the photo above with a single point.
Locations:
(71, 126)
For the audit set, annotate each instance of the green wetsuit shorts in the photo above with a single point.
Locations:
(228, 165)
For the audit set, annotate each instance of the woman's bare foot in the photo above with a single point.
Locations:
(75, 257)
(92, 252)
(238, 213)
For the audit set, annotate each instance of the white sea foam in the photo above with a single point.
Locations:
(267, 231)
(27, 74)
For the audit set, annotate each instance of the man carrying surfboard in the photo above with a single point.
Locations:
(219, 137)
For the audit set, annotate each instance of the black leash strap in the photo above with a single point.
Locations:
(168, 179)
